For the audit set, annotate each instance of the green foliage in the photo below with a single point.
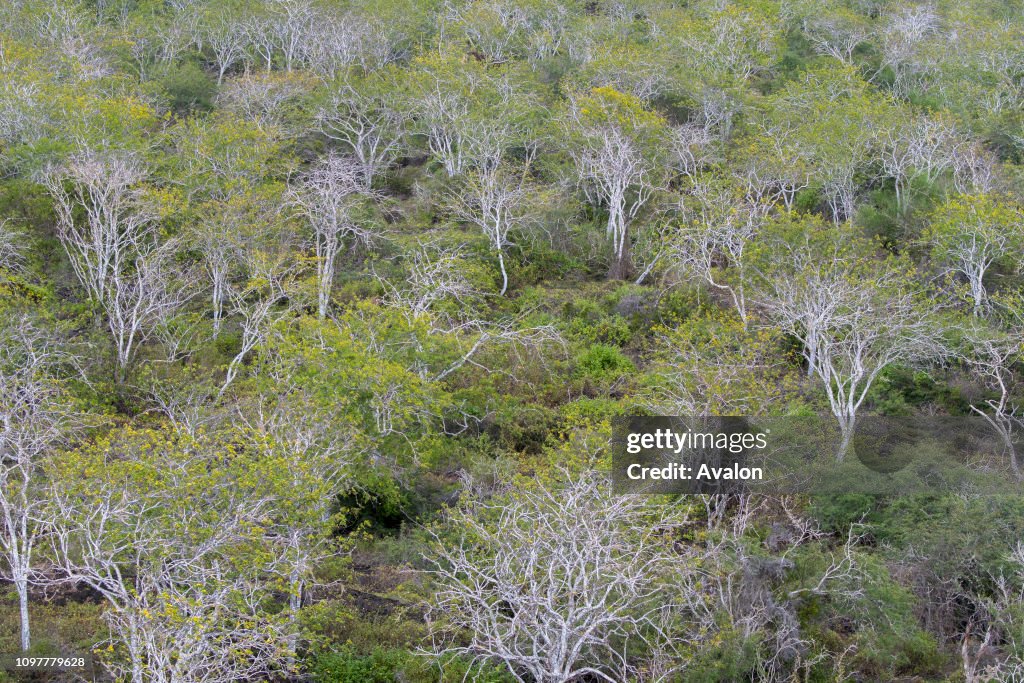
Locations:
(380, 666)
(880, 218)
(891, 642)
(602, 364)
(59, 628)
(379, 397)
(836, 514)
(188, 88)
(588, 412)
(376, 503)
(730, 657)
(521, 427)
(967, 539)
(385, 666)
(694, 369)
(900, 390)
(594, 326)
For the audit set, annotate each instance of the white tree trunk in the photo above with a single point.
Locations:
(847, 425)
(21, 586)
(504, 274)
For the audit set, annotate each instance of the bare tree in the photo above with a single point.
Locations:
(992, 357)
(313, 452)
(216, 235)
(936, 145)
(442, 114)
(325, 197)
(886, 327)
(370, 124)
(306, 33)
(903, 32)
(262, 37)
(836, 33)
(10, 249)
(144, 298)
(345, 39)
(168, 534)
(822, 125)
(556, 585)
(466, 117)
(839, 188)
(435, 275)
(713, 246)
(494, 28)
(740, 43)
(69, 30)
(853, 319)
(224, 31)
(178, 34)
(897, 159)
(263, 98)
(493, 198)
(975, 169)
(693, 148)
(716, 111)
(259, 303)
(922, 145)
(115, 251)
(548, 31)
(807, 305)
(969, 235)
(35, 419)
(105, 186)
(776, 168)
(615, 174)
(23, 114)
(295, 25)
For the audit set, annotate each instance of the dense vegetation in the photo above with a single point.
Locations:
(314, 315)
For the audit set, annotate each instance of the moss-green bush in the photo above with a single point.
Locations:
(188, 88)
(602, 363)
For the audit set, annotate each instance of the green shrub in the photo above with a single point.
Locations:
(228, 344)
(587, 411)
(609, 329)
(345, 666)
(387, 666)
(602, 363)
(899, 390)
(679, 305)
(890, 642)
(521, 427)
(835, 514)
(189, 88)
(374, 503)
(730, 657)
